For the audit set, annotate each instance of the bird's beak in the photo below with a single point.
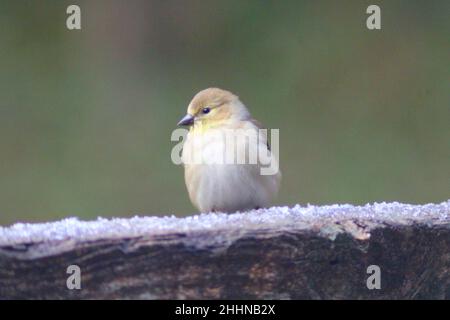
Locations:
(186, 121)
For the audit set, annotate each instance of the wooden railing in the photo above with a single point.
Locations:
(380, 251)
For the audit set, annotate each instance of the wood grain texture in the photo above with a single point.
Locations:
(276, 253)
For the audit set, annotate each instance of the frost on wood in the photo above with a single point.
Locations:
(283, 253)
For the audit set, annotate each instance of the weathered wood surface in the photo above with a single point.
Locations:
(277, 253)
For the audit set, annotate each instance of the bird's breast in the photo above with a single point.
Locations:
(217, 181)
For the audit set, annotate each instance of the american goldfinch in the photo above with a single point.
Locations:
(219, 177)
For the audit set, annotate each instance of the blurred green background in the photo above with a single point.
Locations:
(86, 116)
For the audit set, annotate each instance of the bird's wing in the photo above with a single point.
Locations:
(259, 125)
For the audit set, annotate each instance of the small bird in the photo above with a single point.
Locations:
(215, 185)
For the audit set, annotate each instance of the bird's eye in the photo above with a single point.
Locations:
(206, 110)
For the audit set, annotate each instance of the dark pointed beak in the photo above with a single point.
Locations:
(186, 121)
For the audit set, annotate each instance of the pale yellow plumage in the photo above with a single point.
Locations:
(213, 185)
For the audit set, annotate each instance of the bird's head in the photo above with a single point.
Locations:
(212, 107)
